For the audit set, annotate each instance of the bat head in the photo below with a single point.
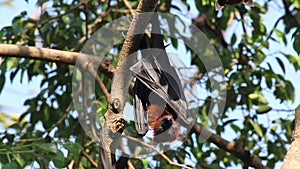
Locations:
(166, 130)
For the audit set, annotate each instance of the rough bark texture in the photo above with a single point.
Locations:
(292, 158)
(51, 55)
(114, 122)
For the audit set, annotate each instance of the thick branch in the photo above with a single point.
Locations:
(51, 55)
(292, 158)
(72, 58)
(135, 32)
(248, 159)
(114, 122)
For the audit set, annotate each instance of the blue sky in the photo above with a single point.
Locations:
(14, 94)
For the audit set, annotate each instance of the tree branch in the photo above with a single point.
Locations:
(45, 54)
(114, 122)
(108, 69)
(289, 14)
(292, 158)
(239, 152)
(158, 152)
(89, 158)
(72, 58)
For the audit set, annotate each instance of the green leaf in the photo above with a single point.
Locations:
(233, 39)
(19, 159)
(295, 60)
(269, 81)
(296, 43)
(296, 3)
(58, 159)
(144, 162)
(259, 57)
(12, 165)
(281, 64)
(290, 91)
(263, 109)
(66, 19)
(48, 147)
(229, 121)
(257, 128)
(257, 96)
(281, 36)
(174, 43)
(73, 148)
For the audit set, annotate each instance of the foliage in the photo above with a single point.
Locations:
(50, 128)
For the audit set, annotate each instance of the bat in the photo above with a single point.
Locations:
(221, 3)
(159, 101)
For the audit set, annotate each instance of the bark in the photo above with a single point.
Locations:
(292, 158)
(114, 122)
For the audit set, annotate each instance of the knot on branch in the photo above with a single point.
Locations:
(118, 125)
(116, 105)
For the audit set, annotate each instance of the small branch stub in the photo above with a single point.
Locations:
(116, 105)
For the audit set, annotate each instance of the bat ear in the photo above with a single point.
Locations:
(249, 3)
(218, 6)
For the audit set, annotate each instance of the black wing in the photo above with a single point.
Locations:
(155, 74)
(141, 94)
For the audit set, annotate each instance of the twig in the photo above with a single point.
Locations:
(275, 25)
(29, 140)
(129, 7)
(102, 86)
(90, 159)
(60, 15)
(158, 152)
(92, 26)
(130, 165)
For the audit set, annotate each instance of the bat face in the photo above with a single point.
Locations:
(221, 3)
(166, 129)
(164, 124)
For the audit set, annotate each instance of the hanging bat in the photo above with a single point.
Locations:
(158, 97)
(221, 3)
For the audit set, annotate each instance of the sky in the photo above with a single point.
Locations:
(14, 94)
